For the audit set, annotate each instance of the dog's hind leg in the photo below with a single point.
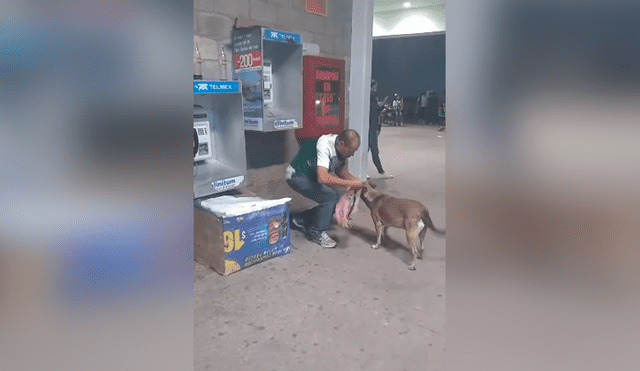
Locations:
(423, 232)
(412, 239)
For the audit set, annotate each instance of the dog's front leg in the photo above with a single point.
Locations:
(379, 229)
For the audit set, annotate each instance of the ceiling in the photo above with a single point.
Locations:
(391, 18)
(381, 6)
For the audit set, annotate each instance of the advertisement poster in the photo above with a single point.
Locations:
(252, 238)
(246, 48)
(252, 103)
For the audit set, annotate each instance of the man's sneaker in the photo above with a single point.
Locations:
(298, 224)
(386, 176)
(324, 240)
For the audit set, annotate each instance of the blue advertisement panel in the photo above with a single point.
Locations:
(252, 104)
(253, 238)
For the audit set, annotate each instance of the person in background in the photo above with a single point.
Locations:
(375, 126)
(422, 107)
(433, 103)
(443, 112)
(397, 108)
(310, 174)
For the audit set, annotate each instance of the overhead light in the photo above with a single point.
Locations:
(406, 5)
(415, 23)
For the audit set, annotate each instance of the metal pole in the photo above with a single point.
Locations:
(360, 82)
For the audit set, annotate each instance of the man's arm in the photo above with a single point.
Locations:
(349, 181)
(344, 173)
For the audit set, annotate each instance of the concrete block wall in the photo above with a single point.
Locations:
(268, 153)
(213, 21)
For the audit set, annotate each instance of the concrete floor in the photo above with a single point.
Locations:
(348, 308)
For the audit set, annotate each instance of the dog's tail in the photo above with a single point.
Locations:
(427, 221)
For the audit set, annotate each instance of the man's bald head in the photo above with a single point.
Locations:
(349, 137)
(348, 142)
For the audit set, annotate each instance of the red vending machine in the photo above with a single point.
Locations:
(324, 96)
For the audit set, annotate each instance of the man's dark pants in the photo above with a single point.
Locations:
(318, 219)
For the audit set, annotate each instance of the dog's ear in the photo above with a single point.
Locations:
(364, 189)
(367, 186)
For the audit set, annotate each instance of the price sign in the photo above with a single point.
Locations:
(233, 240)
(248, 60)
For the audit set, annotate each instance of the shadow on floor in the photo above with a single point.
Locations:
(396, 248)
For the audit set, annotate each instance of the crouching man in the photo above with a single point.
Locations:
(310, 174)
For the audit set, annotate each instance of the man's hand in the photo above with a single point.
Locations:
(359, 184)
(344, 173)
(356, 184)
(349, 181)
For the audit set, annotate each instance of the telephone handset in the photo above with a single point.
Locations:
(203, 144)
(196, 143)
(267, 82)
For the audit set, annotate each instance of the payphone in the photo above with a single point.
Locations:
(269, 64)
(219, 156)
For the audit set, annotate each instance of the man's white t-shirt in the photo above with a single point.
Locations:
(321, 152)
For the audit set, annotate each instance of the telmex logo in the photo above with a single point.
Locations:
(202, 87)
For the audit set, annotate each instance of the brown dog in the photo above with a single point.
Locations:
(388, 211)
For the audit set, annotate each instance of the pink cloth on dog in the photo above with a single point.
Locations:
(343, 207)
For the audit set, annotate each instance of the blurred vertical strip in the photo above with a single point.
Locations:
(96, 226)
(543, 185)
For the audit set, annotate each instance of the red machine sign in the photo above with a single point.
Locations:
(324, 96)
(248, 60)
(317, 7)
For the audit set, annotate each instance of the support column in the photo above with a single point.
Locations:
(360, 82)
